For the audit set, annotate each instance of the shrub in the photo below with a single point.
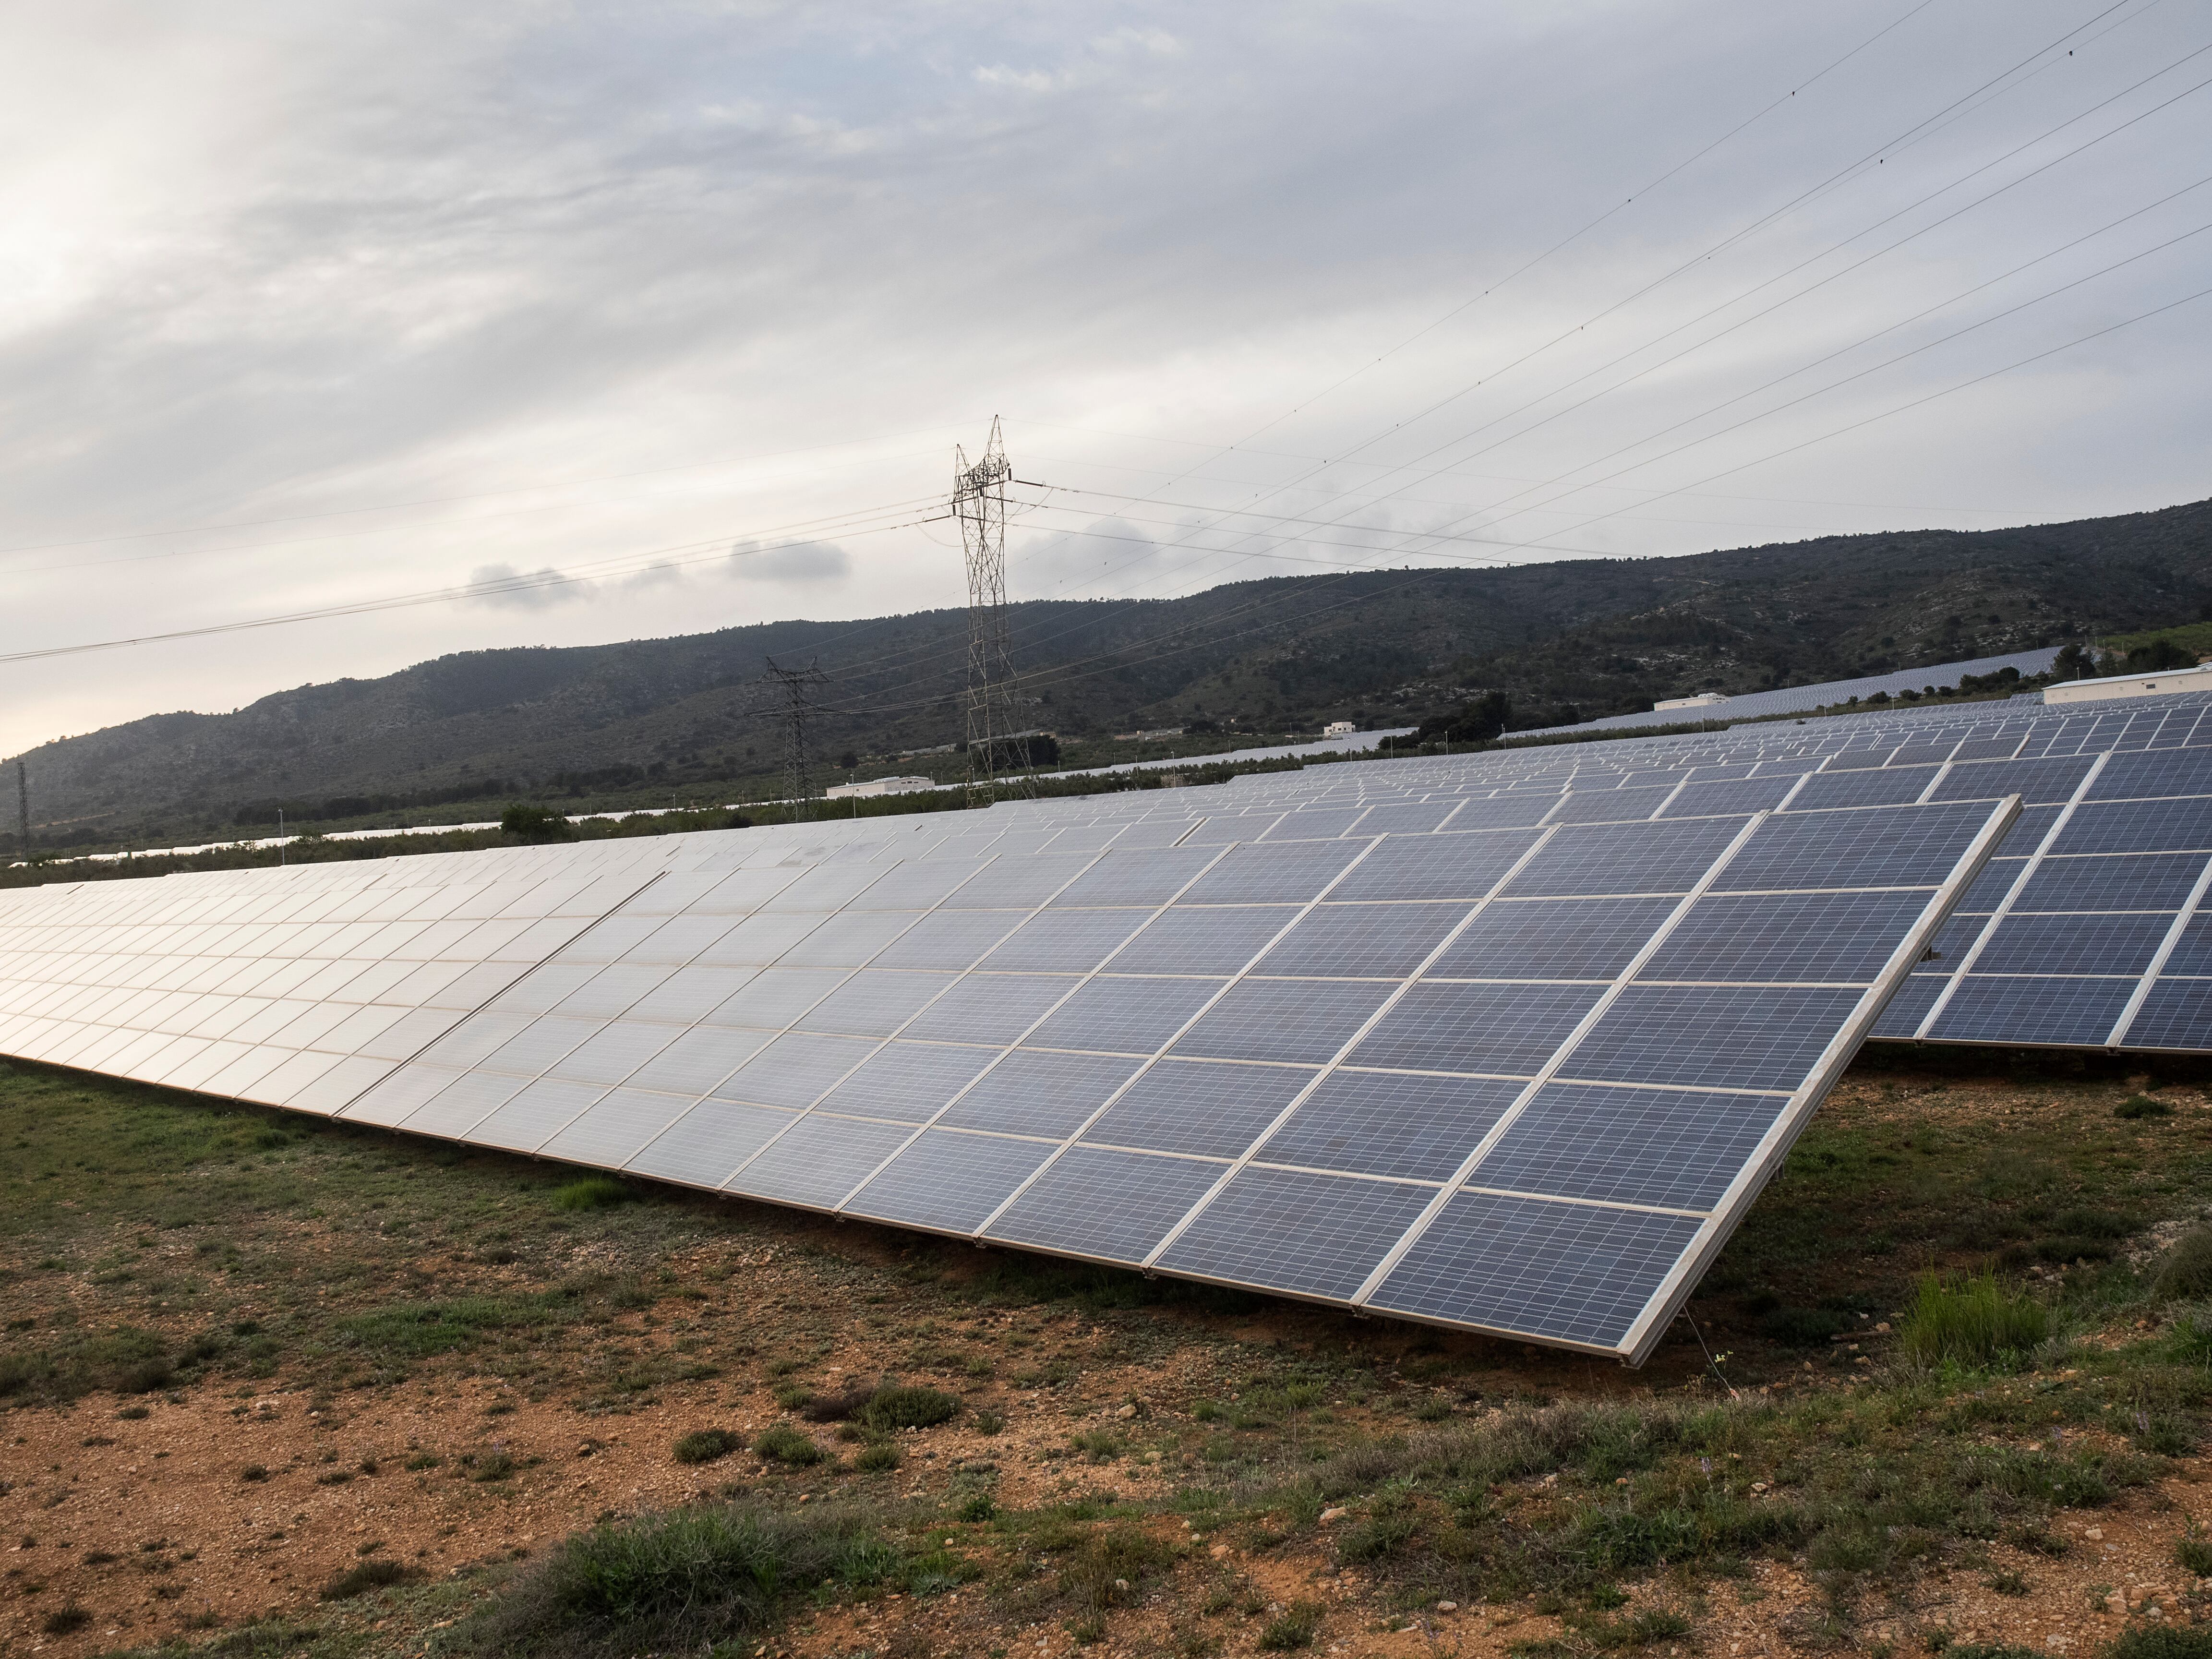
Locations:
(1973, 1321)
(832, 1408)
(533, 823)
(593, 1193)
(2184, 1273)
(705, 1445)
(877, 1458)
(2159, 1642)
(2141, 1106)
(786, 1445)
(907, 1408)
(366, 1577)
(2192, 1551)
(677, 1581)
(1296, 1626)
(63, 1621)
(1385, 1535)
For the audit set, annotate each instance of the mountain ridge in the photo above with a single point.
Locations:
(1573, 638)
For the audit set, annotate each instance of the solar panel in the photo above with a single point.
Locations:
(1505, 1042)
(1292, 1067)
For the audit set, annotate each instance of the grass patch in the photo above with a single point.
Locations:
(2183, 1274)
(593, 1193)
(1293, 1628)
(361, 1579)
(65, 1620)
(1972, 1320)
(705, 1445)
(418, 1330)
(678, 1581)
(2140, 1106)
(785, 1445)
(907, 1408)
(2161, 1641)
(125, 1360)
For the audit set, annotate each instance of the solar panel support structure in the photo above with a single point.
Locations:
(791, 704)
(979, 501)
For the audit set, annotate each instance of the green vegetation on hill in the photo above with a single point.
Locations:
(663, 722)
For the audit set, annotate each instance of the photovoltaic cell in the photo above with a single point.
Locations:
(948, 1182)
(1284, 1019)
(1509, 1029)
(1312, 1234)
(1389, 1123)
(1666, 1148)
(1107, 1205)
(1573, 1273)
(1209, 1111)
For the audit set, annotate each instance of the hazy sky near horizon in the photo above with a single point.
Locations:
(309, 307)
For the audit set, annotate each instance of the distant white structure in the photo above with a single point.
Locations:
(879, 786)
(2164, 684)
(1339, 729)
(1703, 700)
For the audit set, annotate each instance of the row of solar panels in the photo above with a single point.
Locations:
(1505, 1041)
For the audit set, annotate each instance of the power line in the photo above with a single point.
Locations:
(521, 582)
(1919, 129)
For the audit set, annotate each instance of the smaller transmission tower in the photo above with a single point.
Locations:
(979, 501)
(789, 702)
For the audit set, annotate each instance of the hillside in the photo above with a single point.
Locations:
(648, 719)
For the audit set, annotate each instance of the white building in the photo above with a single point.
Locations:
(879, 786)
(1703, 700)
(2164, 684)
(1339, 729)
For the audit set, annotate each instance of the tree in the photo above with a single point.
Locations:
(2156, 656)
(529, 822)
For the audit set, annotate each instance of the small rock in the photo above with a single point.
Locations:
(2095, 1534)
(1759, 1485)
(977, 1465)
(1219, 1552)
(1881, 1327)
(1121, 1585)
(2117, 1605)
(1125, 1412)
(1447, 1607)
(1327, 1517)
(1620, 1480)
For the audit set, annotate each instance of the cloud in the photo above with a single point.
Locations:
(371, 304)
(504, 587)
(801, 563)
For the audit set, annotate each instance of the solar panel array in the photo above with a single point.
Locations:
(1505, 1042)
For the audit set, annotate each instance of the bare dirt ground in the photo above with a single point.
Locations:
(313, 1428)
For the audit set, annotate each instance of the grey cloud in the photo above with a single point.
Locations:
(503, 587)
(797, 562)
(541, 289)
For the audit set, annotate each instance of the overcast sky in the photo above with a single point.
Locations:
(305, 305)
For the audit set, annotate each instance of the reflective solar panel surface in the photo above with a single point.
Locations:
(1505, 1042)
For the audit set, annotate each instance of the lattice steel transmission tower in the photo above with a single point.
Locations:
(979, 501)
(790, 703)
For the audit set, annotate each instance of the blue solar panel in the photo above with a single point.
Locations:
(1268, 1056)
